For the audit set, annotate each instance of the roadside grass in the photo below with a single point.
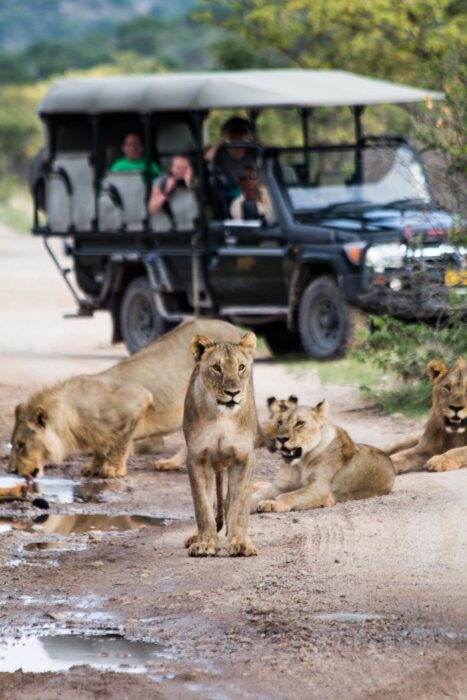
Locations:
(386, 392)
(16, 210)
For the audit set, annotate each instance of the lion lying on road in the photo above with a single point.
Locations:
(219, 424)
(140, 397)
(443, 443)
(322, 465)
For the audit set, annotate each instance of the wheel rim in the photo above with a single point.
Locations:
(325, 324)
(141, 324)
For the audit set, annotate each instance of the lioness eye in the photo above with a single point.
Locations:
(279, 423)
(20, 446)
(447, 389)
(216, 368)
(300, 424)
(241, 368)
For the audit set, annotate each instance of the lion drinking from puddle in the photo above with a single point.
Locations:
(322, 464)
(101, 414)
(220, 429)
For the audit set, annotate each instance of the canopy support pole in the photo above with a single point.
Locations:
(147, 127)
(357, 113)
(304, 114)
(96, 165)
(200, 235)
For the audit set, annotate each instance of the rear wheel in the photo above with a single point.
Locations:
(140, 321)
(324, 319)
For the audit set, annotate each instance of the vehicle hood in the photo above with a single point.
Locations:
(432, 224)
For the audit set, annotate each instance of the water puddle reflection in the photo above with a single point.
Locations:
(70, 524)
(62, 651)
(64, 490)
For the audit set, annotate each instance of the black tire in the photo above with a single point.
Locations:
(280, 340)
(140, 322)
(324, 320)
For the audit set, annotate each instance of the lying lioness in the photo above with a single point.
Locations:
(219, 425)
(443, 443)
(140, 397)
(322, 464)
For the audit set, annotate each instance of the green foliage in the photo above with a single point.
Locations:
(396, 40)
(405, 348)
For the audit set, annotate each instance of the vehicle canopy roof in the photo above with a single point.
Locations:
(250, 89)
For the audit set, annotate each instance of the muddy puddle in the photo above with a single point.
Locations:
(79, 523)
(64, 490)
(59, 652)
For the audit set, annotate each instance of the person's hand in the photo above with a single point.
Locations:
(188, 176)
(169, 185)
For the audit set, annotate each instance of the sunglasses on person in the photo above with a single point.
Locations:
(245, 178)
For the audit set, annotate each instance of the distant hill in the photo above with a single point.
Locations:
(25, 22)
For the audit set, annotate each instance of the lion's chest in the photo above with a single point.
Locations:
(222, 440)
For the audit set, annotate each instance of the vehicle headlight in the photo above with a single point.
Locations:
(384, 256)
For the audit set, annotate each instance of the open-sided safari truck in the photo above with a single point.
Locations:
(346, 215)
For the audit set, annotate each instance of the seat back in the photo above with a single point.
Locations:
(69, 192)
(184, 208)
(122, 202)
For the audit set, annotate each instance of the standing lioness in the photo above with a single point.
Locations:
(219, 424)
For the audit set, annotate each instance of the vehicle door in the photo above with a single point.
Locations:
(245, 264)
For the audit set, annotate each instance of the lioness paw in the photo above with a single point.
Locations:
(203, 548)
(166, 465)
(191, 539)
(268, 507)
(442, 463)
(242, 548)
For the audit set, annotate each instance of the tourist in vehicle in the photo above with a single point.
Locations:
(132, 159)
(253, 201)
(180, 176)
(229, 159)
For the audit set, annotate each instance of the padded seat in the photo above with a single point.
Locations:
(121, 203)
(69, 194)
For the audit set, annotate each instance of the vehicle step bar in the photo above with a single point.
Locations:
(254, 310)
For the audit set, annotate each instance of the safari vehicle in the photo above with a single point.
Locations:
(346, 215)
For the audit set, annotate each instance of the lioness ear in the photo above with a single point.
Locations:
(199, 344)
(20, 411)
(436, 369)
(248, 343)
(293, 399)
(41, 417)
(270, 401)
(321, 409)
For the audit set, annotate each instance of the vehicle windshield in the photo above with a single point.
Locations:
(346, 177)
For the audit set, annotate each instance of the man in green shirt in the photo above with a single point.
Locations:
(132, 160)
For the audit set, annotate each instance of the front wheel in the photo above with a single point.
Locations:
(140, 321)
(324, 320)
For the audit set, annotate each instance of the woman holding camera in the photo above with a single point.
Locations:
(180, 175)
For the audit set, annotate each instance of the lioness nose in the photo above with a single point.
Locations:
(455, 408)
(282, 440)
(233, 394)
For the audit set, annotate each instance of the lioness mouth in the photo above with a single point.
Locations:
(455, 424)
(290, 455)
(228, 404)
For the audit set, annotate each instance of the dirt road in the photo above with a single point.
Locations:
(362, 600)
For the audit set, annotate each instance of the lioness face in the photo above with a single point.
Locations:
(450, 393)
(225, 369)
(299, 430)
(28, 452)
(277, 406)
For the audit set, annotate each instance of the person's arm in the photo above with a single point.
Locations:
(159, 194)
